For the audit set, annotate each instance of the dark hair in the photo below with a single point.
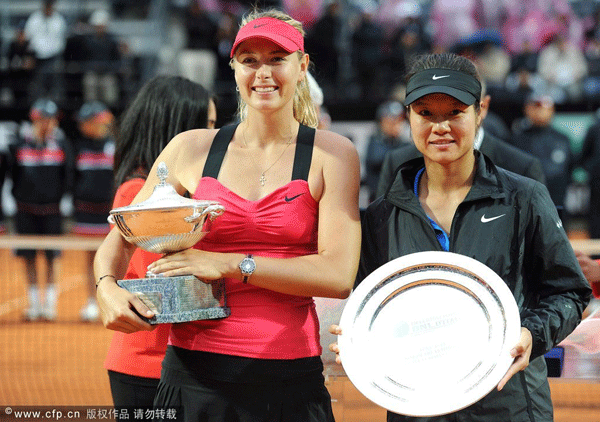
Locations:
(448, 61)
(164, 107)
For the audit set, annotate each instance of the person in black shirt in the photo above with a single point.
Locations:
(198, 60)
(40, 169)
(102, 61)
(535, 135)
(93, 187)
(21, 63)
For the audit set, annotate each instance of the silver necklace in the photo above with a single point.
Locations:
(263, 179)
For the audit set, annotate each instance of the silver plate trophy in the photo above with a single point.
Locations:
(168, 222)
(429, 333)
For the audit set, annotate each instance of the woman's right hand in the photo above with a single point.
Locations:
(334, 347)
(120, 309)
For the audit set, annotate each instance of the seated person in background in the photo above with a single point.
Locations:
(563, 66)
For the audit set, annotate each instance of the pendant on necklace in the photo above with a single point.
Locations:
(262, 179)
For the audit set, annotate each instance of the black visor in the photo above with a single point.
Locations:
(465, 88)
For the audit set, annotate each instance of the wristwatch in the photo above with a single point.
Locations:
(247, 267)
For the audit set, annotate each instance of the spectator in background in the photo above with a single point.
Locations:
(393, 15)
(495, 125)
(526, 58)
(591, 84)
(323, 41)
(306, 11)
(316, 95)
(198, 61)
(594, 215)
(46, 30)
(492, 60)
(40, 162)
(405, 43)
(227, 29)
(392, 132)
(530, 22)
(21, 63)
(367, 53)
(589, 160)
(589, 154)
(534, 134)
(563, 66)
(93, 187)
(7, 130)
(453, 21)
(102, 55)
(523, 77)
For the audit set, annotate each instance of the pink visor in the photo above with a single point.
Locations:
(281, 33)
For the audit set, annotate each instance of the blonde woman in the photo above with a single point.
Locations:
(290, 231)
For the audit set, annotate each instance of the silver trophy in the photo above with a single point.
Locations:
(168, 222)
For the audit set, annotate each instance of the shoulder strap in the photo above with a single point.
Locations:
(304, 150)
(217, 151)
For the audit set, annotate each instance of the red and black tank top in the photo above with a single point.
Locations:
(283, 224)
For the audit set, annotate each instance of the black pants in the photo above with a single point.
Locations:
(38, 224)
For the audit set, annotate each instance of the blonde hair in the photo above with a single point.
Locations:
(304, 109)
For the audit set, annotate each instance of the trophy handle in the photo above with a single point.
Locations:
(214, 211)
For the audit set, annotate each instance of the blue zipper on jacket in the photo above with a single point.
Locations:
(440, 234)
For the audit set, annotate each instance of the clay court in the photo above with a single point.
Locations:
(61, 363)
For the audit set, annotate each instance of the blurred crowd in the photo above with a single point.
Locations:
(71, 76)
(359, 48)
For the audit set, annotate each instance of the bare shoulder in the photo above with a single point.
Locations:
(334, 144)
(335, 165)
(192, 143)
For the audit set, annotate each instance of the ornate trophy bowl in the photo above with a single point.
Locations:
(168, 222)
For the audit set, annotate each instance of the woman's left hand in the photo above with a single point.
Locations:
(521, 352)
(202, 264)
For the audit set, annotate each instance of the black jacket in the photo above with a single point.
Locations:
(527, 248)
(93, 173)
(553, 149)
(41, 174)
(501, 153)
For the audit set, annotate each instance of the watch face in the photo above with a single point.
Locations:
(247, 266)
